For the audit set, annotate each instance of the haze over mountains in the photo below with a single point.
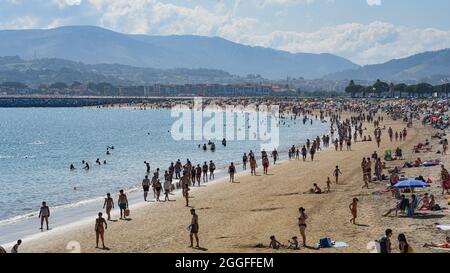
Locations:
(95, 54)
(427, 66)
(94, 45)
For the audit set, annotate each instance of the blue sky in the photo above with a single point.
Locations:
(364, 31)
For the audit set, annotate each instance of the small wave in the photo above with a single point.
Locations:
(29, 157)
(6, 156)
(38, 142)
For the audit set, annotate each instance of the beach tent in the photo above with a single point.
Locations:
(411, 183)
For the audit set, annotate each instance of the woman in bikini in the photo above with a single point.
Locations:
(100, 229)
(158, 188)
(109, 205)
(302, 224)
(253, 165)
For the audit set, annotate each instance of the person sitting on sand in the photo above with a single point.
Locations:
(403, 245)
(417, 162)
(294, 243)
(274, 244)
(425, 202)
(317, 190)
(354, 210)
(444, 245)
(100, 229)
(15, 248)
(398, 207)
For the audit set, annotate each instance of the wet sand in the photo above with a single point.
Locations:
(237, 217)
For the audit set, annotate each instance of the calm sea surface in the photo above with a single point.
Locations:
(37, 146)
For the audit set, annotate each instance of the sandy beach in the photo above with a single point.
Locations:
(237, 217)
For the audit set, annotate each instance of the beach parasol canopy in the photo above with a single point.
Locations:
(410, 183)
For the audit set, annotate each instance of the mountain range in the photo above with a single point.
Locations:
(428, 66)
(94, 53)
(95, 45)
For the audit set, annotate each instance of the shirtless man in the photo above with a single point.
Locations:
(212, 168)
(123, 204)
(253, 165)
(184, 182)
(336, 174)
(194, 229)
(100, 229)
(244, 161)
(153, 182)
(44, 214)
(109, 204)
(354, 210)
(205, 172)
(146, 187)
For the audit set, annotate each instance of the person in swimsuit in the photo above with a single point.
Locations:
(328, 184)
(100, 229)
(72, 167)
(123, 204)
(274, 244)
(317, 190)
(231, 172)
(354, 210)
(158, 188)
(302, 224)
(109, 204)
(153, 183)
(194, 227)
(244, 161)
(146, 187)
(336, 174)
(212, 168)
(44, 214)
(253, 165)
(186, 194)
(167, 187)
(147, 166)
(205, 172)
(265, 165)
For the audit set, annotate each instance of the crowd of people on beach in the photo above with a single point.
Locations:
(343, 134)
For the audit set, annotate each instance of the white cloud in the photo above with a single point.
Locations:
(24, 22)
(374, 2)
(66, 3)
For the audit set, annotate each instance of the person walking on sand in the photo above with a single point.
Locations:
(444, 180)
(194, 227)
(265, 165)
(328, 185)
(231, 172)
(253, 165)
(44, 214)
(205, 172)
(354, 210)
(244, 161)
(212, 168)
(302, 224)
(146, 187)
(153, 183)
(123, 204)
(100, 229)
(109, 204)
(336, 174)
(167, 187)
(304, 153)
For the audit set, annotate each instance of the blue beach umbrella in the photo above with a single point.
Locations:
(410, 183)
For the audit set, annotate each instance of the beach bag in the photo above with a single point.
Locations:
(127, 212)
(325, 243)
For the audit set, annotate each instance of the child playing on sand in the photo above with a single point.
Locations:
(317, 190)
(328, 184)
(274, 244)
(293, 244)
(354, 210)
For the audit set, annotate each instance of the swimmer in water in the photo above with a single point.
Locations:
(86, 167)
(72, 167)
(98, 161)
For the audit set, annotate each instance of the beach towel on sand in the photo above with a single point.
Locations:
(443, 227)
(340, 244)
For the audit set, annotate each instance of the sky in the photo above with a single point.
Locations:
(364, 31)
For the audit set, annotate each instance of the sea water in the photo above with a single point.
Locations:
(37, 146)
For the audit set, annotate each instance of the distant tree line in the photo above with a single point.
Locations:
(383, 89)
